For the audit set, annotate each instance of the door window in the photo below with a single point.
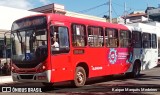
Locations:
(59, 40)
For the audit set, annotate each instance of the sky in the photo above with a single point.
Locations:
(91, 7)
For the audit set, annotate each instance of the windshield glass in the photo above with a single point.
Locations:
(29, 45)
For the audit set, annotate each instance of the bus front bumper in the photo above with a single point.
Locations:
(37, 77)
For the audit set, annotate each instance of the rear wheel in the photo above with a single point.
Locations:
(135, 71)
(79, 77)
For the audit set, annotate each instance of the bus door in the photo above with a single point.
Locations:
(60, 58)
(154, 51)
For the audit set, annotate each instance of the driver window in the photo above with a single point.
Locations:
(59, 40)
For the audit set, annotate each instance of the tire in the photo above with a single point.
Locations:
(135, 72)
(79, 77)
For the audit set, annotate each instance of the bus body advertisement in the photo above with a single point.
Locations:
(52, 48)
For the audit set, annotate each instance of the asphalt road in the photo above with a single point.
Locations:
(147, 84)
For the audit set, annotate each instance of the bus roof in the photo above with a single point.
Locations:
(63, 18)
(142, 27)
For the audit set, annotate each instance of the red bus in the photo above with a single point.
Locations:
(51, 48)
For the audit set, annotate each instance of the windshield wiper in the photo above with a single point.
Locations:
(19, 36)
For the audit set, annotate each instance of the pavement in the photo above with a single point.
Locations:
(6, 79)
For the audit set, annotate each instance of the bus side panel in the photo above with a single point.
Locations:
(97, 61)
(100, 63)
(61, 68)
(93, 59)
(149, 58)
(118, 59)
(125, 57)
(154, 57)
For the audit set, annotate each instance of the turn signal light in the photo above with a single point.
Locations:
(41, 68)
(13, 69)
(41, 77)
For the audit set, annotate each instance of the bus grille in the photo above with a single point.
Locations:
(26, 65)
(26, 76)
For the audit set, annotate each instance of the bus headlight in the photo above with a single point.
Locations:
(41, 68)
(13, 69)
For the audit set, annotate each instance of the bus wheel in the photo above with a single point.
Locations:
(136, 70)
(80, 77)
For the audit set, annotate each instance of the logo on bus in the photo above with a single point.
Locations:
(112, 56)
(28, 56)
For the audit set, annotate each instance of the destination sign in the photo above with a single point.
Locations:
(31, 22)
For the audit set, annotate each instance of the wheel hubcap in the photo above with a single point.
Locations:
(136, 70)
(80, 77)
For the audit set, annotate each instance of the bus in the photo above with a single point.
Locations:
(146, 44)
(157, 24)
(83, 49)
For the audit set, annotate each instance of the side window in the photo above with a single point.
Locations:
(154, 41)
(146, 38)
(59, 40)
(63, 37)
(95, 36)
(111, 37)
(136, 39)
(78, 35)
(125, 38)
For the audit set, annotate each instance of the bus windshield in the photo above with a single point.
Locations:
(29, 41)
(29, 45)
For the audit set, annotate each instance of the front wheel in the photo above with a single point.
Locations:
(79, 77)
